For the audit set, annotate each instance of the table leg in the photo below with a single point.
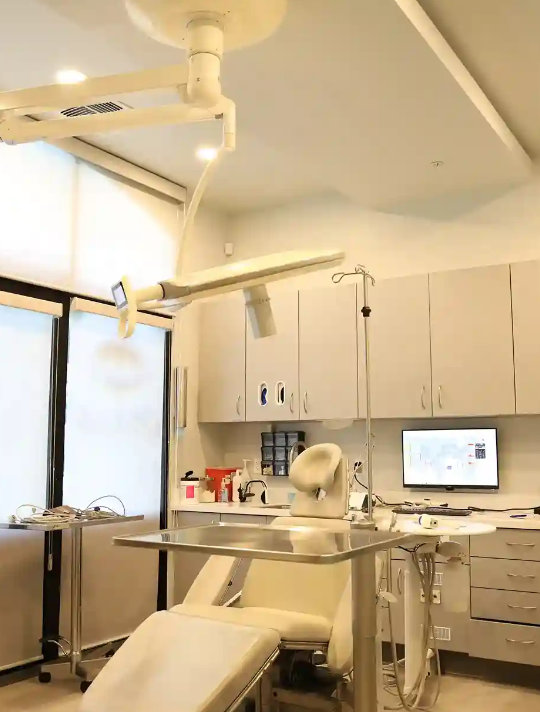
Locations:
(170, 579)
(76, 612)
(364, 629)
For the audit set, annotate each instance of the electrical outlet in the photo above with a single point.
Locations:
(257, 468)
(435, 598)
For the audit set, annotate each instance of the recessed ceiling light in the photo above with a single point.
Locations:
(69, 76)
(206, 153)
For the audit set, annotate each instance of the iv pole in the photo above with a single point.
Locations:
(367, 278)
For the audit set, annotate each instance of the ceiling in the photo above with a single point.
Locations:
(347, 96)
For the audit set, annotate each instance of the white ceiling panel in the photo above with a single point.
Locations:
(346, 96)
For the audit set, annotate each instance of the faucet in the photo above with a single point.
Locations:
(244, 493)
(293, 454)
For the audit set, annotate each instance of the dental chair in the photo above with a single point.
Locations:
(204, 657)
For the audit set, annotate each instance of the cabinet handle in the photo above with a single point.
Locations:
(524, 576)
(521, 608)
(518, 543)
(440, 396)
(305, 402)
(520, 642)
(423, 397)
(291, 403)
(238, 404)
(400, 581)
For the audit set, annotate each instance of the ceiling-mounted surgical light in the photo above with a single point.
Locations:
(204, 28)
(251, 276)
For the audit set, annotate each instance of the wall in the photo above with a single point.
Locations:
(197, 446)
(506, 229)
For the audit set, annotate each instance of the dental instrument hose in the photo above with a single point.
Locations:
(425, 566)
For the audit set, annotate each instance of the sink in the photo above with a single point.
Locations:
(275, 506)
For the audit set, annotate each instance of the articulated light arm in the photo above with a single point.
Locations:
(197, 83)
(61, 96)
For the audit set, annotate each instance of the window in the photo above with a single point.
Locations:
(25, 379)
(113, 445)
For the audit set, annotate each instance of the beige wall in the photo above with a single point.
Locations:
(506, 229)
(197, 446)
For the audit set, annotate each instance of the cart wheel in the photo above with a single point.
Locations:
(44, 677)
(85, 684)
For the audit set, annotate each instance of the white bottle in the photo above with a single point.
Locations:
(245, 472)
(237, 483)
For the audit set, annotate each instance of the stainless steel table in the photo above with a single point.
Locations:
(77, 666)
(302, 545)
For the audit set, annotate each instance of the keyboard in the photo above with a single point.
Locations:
(437, 511)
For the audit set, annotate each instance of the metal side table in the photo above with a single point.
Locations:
(77, 666)
(301, 545)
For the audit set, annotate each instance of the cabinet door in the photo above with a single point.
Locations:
(525, 310)
(222, 361)
(399, 349)
(272, 365)
(471, 342)
(328, 353)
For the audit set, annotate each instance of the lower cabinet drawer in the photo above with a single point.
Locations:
(503, 574)
(505, 641)
(512, 606)
(508, 544)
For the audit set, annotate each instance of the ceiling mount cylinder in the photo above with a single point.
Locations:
(205, 50)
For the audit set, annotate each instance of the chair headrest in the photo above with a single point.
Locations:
(315, 468)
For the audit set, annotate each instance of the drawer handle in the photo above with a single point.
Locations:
(522, 608)
(520, 642)
(518, 543)
(525, 576)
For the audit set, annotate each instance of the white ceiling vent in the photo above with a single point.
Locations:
(105, 107)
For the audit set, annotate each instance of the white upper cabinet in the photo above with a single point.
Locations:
(328, 353)
(399, 348)
(471, 342)
(526, 311)
(222, 361)
(272, 365)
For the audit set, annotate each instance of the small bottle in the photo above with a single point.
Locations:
(237, 483)
(224, 494)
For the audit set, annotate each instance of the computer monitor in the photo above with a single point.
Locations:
(450, 459)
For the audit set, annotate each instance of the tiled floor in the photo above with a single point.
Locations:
(458, 695)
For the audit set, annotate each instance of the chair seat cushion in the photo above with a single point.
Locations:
(290, 625)
(177, 663)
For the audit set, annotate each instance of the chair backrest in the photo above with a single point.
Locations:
(305, 588)
(319, 474)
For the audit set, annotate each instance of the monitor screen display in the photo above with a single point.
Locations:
(119, 295)
(451, 458)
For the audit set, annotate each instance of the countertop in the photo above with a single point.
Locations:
(383, 514)
(233, 508)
